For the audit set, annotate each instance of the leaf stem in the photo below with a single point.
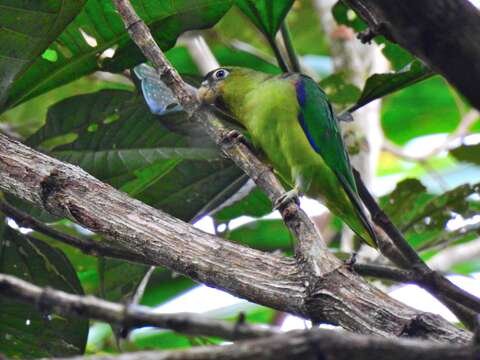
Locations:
(278, 54)
(292, 55)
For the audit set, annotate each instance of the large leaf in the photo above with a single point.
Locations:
(26, 29)
(119, 141)
(80, 49)
(255, 204)
(267, 15)
(427, 107)
(25, 331)
(380, 85)
(338, 90)
(266, 235)
(423, 217)
(467, 153)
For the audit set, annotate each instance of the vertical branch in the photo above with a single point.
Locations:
(278, 54)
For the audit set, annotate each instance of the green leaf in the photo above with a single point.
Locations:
(81, 47)
(425, 108)
(265, 235)
(380, 85)
(267, 15)
(24, 330)
(231, 57)
(402, 203)
(338, 90)
(120, 142)
(255, 204)
(26, 29)
(467, 153)
(346, 16)
(423, 216)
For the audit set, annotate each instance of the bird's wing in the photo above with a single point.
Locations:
(159, 98)
(318, 121)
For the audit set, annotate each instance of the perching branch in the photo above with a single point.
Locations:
(312, 344)
(443, 33)
(129, 317)
(142, 234)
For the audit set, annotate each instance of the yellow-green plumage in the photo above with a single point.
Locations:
(290, 120)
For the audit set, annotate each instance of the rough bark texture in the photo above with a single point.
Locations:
(315, 344)
(152, 237)
(443, 33)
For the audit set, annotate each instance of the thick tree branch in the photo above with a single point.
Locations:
(127, 316)
(443, 33)
(149, 236)
(312, 345)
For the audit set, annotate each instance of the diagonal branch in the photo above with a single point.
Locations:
(142, 234)
(127, 316)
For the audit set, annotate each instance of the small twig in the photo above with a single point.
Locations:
(445, 259)
(447, 238)
(142, 286)
(89, 247)
(385, 272)
(287, 40)
(127, 316)
(278, 54)
(460, 132)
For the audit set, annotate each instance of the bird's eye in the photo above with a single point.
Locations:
(220, 74)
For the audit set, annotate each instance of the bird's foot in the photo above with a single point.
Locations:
(284, 199)
(351, 261)
(235, 136)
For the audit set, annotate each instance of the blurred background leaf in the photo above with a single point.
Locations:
(27, 28)
(25, 330)
(97, 40)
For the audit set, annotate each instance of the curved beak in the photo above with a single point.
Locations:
(206, 94)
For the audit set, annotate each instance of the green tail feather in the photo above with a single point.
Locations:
(371, 239)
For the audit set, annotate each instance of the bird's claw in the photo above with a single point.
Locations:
(234, 136)
(284, 199)
(350, 262)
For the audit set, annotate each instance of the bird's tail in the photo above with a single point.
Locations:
(366, 232)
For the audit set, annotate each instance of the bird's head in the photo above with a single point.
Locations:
(226, 87)
(212, 87)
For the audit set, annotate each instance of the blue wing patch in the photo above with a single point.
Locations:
(301, 98)
(158, 96)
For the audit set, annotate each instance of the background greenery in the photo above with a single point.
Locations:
(65, 89)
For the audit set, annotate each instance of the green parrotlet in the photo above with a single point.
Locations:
(290, 120)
